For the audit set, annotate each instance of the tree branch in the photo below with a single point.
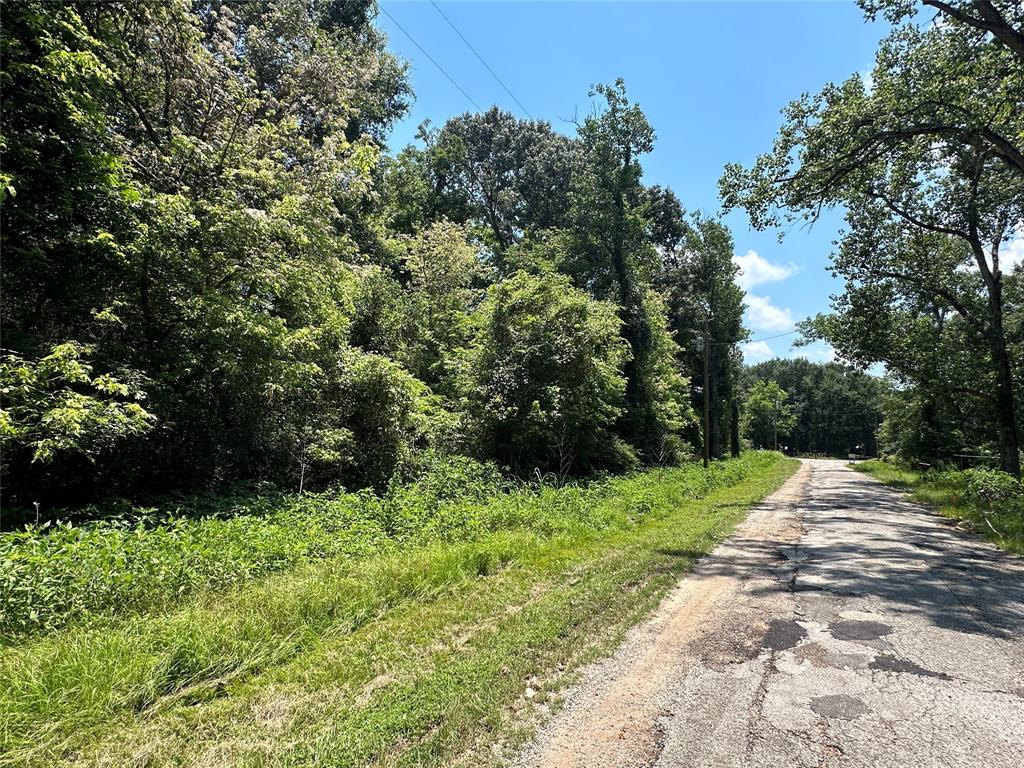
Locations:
(991, 20)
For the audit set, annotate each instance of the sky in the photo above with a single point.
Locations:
(712, 78)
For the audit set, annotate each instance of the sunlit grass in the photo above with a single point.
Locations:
(404, 658)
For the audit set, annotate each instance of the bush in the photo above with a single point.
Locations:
(542, 381)
(991, 486)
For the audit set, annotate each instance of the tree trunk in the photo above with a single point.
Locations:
(734, 427)
(716, 414)
(1009, 448)
(633, 328)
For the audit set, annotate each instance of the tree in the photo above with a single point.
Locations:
(837, 407)
(56, 408)
(198, 205)
(63, 190)
(611, 254)
(542, 381)
(1003, 19)
(443, 269)
(216, 186)
(699, 280)
(511, 175)
(932, 149)
(767, 414)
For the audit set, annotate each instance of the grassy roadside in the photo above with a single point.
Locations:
(408, 658)
(954, 496)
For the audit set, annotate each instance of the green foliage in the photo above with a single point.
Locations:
(698, 277)
(201, 194)
(152, 560)
(1002, 19)
(990, 486)
(663, 406)
(387, 412)
(923, 423)
(56, 407)
(767, 414)
(928, 165)
(444, 272)
(542, 379)
(510, 176)
(838, 408)
(62, 693)
(218, 263)
(617, 227)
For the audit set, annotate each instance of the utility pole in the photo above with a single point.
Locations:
(707, 395)
(775, 421)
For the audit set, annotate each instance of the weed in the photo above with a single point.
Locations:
(544, 567)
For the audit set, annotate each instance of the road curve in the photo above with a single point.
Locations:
(839, 626)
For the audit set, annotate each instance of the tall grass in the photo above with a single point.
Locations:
(144, 560)
(152, 560)
(54, 689)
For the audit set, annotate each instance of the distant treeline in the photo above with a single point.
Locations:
(827, 408)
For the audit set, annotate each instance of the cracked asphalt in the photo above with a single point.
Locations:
(839, 626)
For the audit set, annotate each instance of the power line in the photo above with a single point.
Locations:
(481, 58)
(433, 61)
(776, 336)
(763, 338)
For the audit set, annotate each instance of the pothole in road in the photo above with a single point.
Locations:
(839, 706)
(783, 634)
(859, 631)
(819, 656)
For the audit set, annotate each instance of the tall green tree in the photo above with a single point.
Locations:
(699, 279)
(932, 148)
(220, 183)
(214, 272)
(64, 191)
(512, 175)
(612, 254)
(767, 414)
(445, 275)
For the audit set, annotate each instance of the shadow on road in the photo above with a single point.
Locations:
(871, 543)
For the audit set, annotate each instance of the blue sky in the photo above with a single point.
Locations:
(711, 77)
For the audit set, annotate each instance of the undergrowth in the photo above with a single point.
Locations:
(64, 691)
(150, 560)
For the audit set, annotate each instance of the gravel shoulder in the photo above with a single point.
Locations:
(839, 626)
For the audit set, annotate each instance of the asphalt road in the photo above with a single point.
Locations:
(839, 626)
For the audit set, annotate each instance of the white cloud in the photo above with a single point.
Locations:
(755, 270)
(756, 352)
(763, 315)
(868, 78)
(1013, 254)
(816, 353)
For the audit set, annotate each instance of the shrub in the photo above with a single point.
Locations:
(56, 406)
(543, 377)
(991, 486)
